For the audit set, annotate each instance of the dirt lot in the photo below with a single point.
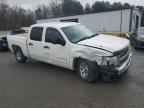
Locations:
(39, 85)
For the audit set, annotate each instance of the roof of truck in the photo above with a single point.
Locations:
(55, 24)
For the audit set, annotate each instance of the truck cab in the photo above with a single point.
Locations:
(75, 47)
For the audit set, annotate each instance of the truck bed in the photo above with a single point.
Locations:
(18, 40)
(24, 35)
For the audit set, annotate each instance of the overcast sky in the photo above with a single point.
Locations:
(33, 3)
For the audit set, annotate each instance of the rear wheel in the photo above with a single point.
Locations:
(87, 71)
(19, 56)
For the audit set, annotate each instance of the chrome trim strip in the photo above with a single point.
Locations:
(125, 66)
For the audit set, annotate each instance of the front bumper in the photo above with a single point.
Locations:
(110, 73)
(125, 66)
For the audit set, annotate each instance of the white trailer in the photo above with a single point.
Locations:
(127, 20)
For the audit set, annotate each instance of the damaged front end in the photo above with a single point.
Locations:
(111, 65)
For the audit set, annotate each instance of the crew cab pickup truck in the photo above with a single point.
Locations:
(75, 47)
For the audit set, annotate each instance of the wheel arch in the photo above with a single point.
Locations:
(94, 72)
(15, 47)
(77, 59)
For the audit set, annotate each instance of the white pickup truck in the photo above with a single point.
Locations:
(75, 47)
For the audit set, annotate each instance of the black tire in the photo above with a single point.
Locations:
(91, 75)
(19, 56)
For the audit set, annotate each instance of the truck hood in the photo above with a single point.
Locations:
(109, 43)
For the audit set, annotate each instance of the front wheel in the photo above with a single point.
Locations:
(87, 71)
(19, 56)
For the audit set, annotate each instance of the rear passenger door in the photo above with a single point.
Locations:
(35, 43)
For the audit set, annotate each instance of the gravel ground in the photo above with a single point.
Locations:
(38, 85)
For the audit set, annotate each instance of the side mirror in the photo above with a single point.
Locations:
(60, 42)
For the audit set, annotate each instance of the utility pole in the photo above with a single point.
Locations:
(121, 19)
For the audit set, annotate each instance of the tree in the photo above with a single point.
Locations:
(108, 5)
(56, 8)
(38, 14)
(3, 14)
(42, 12)
(13, 17)
(100, 6)
(30, 17)
(87, 8)
(117, 6)
(72, 7)
(126, 6)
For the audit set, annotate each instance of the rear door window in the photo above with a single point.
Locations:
(36, 33)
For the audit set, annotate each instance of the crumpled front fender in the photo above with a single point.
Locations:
(89, 53)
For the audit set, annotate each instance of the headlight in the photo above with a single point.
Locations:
(112, 61)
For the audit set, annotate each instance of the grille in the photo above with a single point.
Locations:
(123, 55)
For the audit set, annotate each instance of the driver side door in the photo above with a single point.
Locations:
(54, 51)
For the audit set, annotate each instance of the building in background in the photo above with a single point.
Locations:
(127, 20)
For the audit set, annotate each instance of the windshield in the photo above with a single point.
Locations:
(77, 32)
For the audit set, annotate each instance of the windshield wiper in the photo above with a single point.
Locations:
(82, 39)
(87, 37)
(93, 35)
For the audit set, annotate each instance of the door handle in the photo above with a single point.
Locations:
(30, 44)
(46, 47)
